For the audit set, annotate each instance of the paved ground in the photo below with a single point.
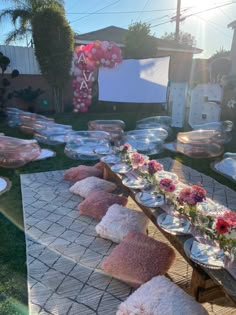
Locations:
(64, 253)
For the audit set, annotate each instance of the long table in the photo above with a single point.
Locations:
(206, 284)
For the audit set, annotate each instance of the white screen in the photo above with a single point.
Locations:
(135, 81)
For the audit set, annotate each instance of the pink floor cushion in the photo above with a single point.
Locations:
(160, 296)
(119, 221)
(138, 258)
(85, 186)
(98, 202)
(81, 172)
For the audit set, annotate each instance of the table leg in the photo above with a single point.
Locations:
(203, 288)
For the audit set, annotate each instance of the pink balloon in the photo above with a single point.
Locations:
(94, 55)
(83, 109)
(105, 45)
(97, 43)
(87, 102)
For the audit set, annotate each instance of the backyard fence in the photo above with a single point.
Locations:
(22, 58)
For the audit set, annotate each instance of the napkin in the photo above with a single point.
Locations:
(207, 254)
(175, 224)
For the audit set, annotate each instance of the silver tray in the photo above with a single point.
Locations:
(150, 199)
(179, 226)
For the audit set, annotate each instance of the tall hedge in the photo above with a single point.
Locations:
(54, 43)
(139, 43)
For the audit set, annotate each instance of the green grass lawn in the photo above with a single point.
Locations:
(13, 288)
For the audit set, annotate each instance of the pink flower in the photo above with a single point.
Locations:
(184, 195)
(171, 188)
(137, 159)
(154, 166)
(198, 193)
(192, 195)
(167, 185)
(126, 147)
(230, 218)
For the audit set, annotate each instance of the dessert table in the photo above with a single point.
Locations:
(206, 283)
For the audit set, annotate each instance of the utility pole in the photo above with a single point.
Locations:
(177, 20)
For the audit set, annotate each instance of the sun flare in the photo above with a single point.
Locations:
(191, 6)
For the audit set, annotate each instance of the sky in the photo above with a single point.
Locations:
(206, 20)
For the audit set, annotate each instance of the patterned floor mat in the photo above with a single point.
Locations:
(64, 253)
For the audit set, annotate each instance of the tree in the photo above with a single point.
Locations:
(184, 38)
(4, 82)
(139, 43)
(54, 43)
(22, 14)
(221, 53)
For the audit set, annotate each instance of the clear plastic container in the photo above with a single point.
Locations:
(16, 152)
(86, 148)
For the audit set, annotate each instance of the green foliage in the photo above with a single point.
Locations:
(184, 38)
(4, 62)
(21, 14)
(28, 94)
(219, 53)
(4, 82)
(139, 42)
(53, 39)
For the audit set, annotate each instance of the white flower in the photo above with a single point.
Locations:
(231, 235)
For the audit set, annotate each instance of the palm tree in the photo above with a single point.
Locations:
(21, 16)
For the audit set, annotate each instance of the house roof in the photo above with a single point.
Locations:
(118, 35)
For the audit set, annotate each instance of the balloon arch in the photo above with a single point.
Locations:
(86, 60)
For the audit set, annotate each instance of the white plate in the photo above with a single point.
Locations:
(173, 225)
(110, 159)
(103, 151)
(45, 153)
(204, 258)
(5, 185)
(121, 168)
(164, 174)
(134, 183)
(150, 199)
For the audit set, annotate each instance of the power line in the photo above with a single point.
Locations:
(83, 17)
(142, 10)
(199, 12)
(206, 10)
(149, 21)
(212, 24)
(122, 12)
(228, 17)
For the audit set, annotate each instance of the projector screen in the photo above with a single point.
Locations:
(135, 81)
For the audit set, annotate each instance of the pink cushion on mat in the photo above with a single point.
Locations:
(98, 202)
(119, 221)
(138, 258)
(160, 296)
(81, 172)
(85, 186)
